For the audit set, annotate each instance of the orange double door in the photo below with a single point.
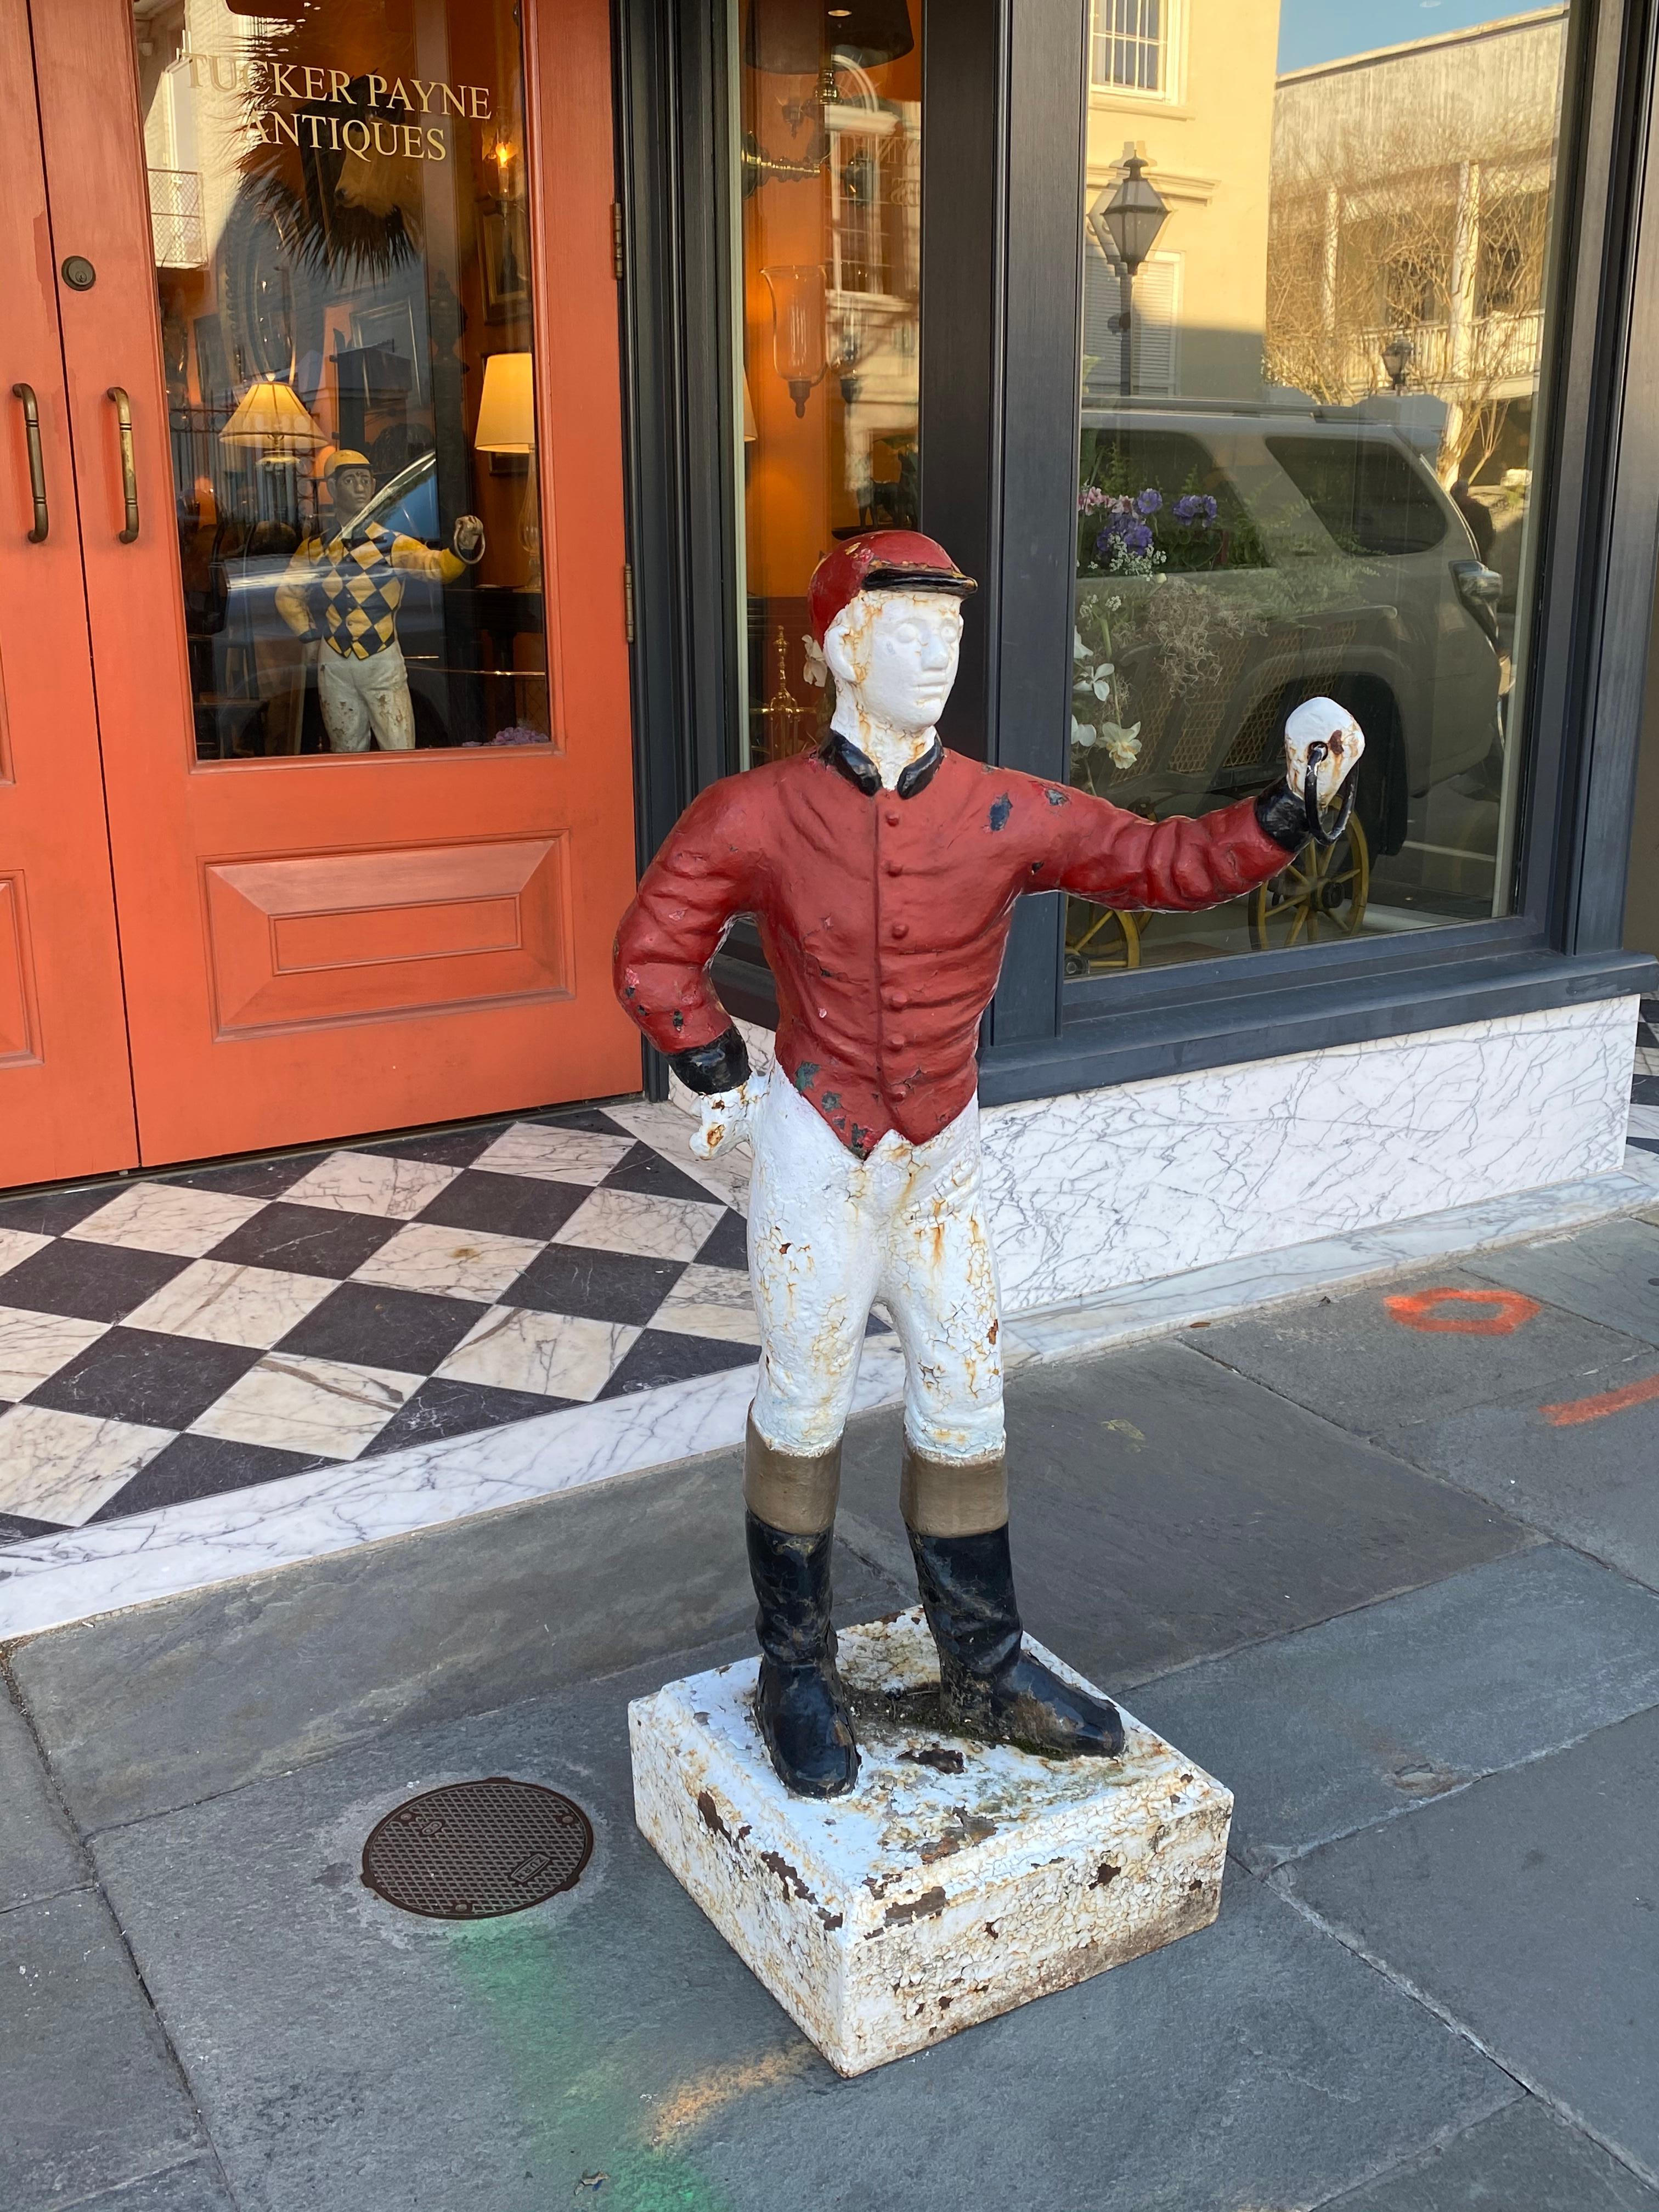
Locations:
(316, 808)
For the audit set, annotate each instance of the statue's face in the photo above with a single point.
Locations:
(896, 653)
(353, 489)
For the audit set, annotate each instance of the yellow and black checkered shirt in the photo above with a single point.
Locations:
(350, 585)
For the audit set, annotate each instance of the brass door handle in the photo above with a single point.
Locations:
(37, 465)
(129, 470)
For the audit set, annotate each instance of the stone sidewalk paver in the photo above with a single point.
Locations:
(1352, 1563)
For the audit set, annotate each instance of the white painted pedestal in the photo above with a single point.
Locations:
(957, 1880)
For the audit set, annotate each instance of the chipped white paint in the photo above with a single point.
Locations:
(829, 1232)
(894, 657)
(935, 1895)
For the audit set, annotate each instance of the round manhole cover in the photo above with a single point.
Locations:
(475, 1850)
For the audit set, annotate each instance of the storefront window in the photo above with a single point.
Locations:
(1313, 327)
(343, 277)
(829, 171)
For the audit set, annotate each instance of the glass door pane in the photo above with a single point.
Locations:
(828, 278)
(1318, 310)
(342, 270)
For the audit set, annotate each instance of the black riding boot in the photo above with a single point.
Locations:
(990, 1686)
(799, 1705)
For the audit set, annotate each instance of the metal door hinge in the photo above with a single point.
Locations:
(627, 600)
(616, 239)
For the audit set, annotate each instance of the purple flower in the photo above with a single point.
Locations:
(1148, 501)
(1196, 509)
(1137, 538)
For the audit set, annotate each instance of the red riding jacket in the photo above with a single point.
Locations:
(885, 914)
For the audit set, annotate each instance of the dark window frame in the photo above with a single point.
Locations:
(1005, 95)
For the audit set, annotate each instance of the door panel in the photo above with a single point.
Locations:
(331, 936)
(65, 1098)
(320, 939)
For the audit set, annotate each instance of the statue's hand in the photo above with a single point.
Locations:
(468, 539)
(1322, 723)
(723, 1117)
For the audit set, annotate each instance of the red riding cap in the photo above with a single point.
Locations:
(881, 560)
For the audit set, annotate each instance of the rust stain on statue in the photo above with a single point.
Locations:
(789, 1876)
(927, 1906)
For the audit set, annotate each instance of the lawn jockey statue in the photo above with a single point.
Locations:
(342, 592)
(883, 870)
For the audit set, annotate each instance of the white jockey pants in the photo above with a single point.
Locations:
(828, 1233)
(358, 697)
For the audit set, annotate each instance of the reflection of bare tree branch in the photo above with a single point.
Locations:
(1417, 203)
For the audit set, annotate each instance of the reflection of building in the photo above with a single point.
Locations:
(1192, 81)
(1410, 200)
(831, 257)
(874, 272)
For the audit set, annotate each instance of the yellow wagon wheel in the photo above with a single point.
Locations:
(1321, 894)
(1111, 940)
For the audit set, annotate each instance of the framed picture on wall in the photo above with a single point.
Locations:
(390, 326)
(504, 251)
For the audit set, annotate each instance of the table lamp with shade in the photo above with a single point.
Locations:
(271, 420)
(507, 424)
(273, 423)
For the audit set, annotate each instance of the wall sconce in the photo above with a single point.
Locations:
(504, 152)
(507, 424)
(849, 342)
(798, 323)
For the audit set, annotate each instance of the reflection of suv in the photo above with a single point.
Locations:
(264, 703)
(1329, 560)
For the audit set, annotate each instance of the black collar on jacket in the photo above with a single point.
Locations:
(858, 767)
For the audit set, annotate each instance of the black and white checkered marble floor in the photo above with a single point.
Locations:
(1645, 1086)
(178, 1336)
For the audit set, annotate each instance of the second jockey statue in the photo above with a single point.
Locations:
(883, 870)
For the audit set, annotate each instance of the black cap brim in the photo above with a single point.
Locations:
(918, 580)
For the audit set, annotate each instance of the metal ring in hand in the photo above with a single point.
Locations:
(1316, 830)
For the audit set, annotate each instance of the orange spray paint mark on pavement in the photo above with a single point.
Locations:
(1510, 1312)
(1575, 1410)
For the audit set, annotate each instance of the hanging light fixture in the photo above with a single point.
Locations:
(790, 37)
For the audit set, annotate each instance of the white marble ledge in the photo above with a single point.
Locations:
(148, 1556)
(1098, 1190)
(1231, 1287)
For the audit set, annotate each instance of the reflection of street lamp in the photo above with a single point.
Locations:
(1397, 356)
(1126, 228)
